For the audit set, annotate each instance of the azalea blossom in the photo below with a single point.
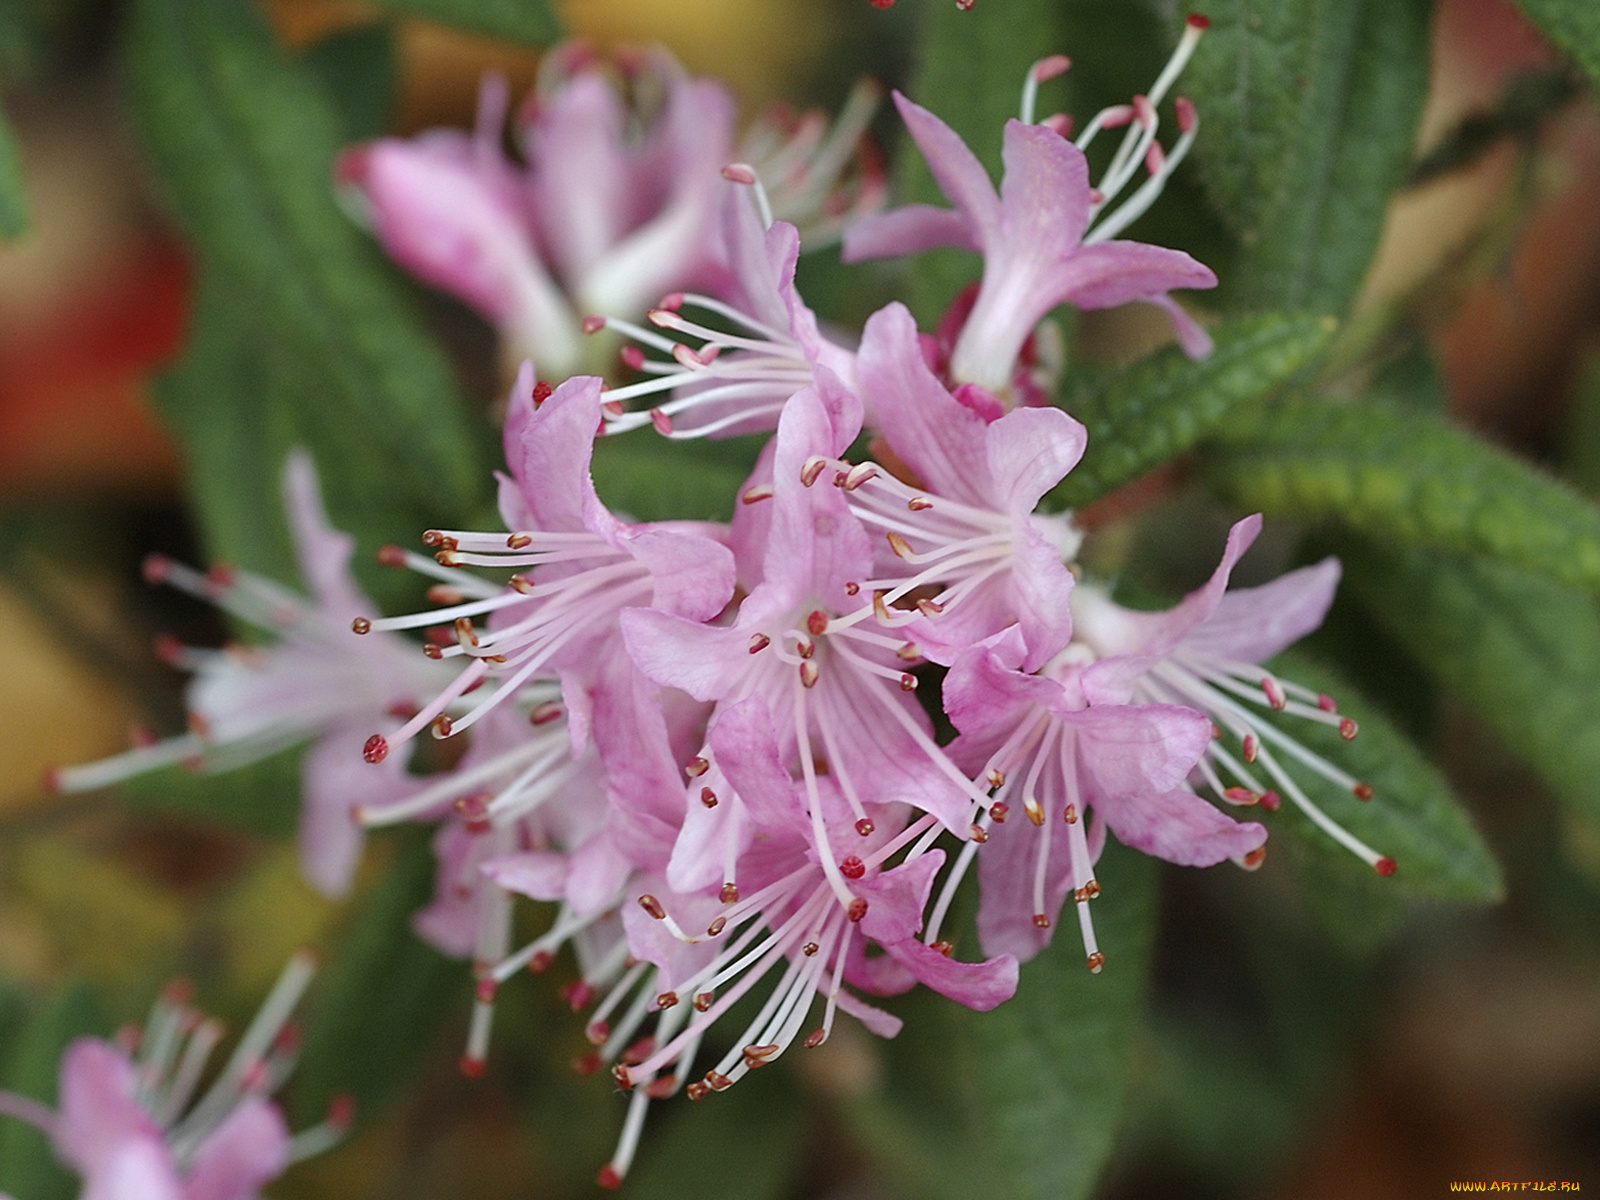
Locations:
(130, 1124)
(1046, 236)
(312, 682)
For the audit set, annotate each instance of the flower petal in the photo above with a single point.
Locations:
(248, 1149)
(1179, 827)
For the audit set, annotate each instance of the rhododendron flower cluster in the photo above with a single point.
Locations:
(711, 746)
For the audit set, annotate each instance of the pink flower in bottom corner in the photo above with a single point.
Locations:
(128, 1122)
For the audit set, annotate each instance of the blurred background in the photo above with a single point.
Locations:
(1277, 1060)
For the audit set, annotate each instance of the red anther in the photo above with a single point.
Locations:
(858, 475)
(431, 651)
(170, 650)
(542, 391)
(964, 5)
(1385, 867)
(996, 778)
(391, 556)
(52, 780)
(156, 568)
(661, 421)
(1271, 801)
(708, 797)
(1254, 858)
(805, 647)
(519, 541)
(1240, 795)
(759, 1056)
(1069, 814)
(598, 1032)
(1186, 114)
(1040, 921)
(1196, 21)
(667, 1000)
(641, 1049)
(1036, 813)
(1144, 111)
(1154, 158)
(852, 588)
(899, 545)
(998, 811)
(919, 504)
(587, 1065)
(816, 622)
(808, 674)
(652, 906)
(1326, 703)
(361, 625)
(474, 809)
(1080, 895)
(881, 3)
(929, 608)
(865, 827)
(1059, 124)
(221, 576)
(908, 652)
(472, 1066)
(441, 593)
(1092, 888)
(671, 302)
(376, 749)
(609, 1178)
(432, 537)
(1251, 747)
(1274, 692)
(908, 683)
(739, 173)
(1362, 791)
(812, 469)
(540, 962)
(486, 990)
(447, 558)
(852, 867)
(577, 994)
(696, 767)
(879, 608)
(729, 893)
(1095, 961)
(1347, 729)
(857, 909)
(754, 495)
(759, 642)
(718, 924)
(978, 832)
(543, 714)
(942, 947)
(593, 324)
(1049, 68)
(718, 1082)
(141, 735)
(810, 949)
(521, 583)
(660, 1089)
(704, 1000)
(620, 1074)
(1216, 732)
(817, 1036)
(442, 727)
(633, 358)
(839, 478)
(697, 1090)
(341, 1112)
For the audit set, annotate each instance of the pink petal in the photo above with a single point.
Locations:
(896, 898)
(335, 780)
(1253, 624)
(1135, 748)
(956, 169)
(581, 185)
(135, 1169)
(980, 986)
(549, 449)
(1113, 273)
(537, 874)
(694, 576)
(907, 230)
(884, 1024)
(97, 1109)
(323, 552)
(1044, 192)
(1194, 341)
(1029, 451)
(248, 1149)
(1179, 827)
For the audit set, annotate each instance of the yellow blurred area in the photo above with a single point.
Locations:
(269, 915)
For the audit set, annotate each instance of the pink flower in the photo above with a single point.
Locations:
(1035, 234)
(130, 1126)
(314, 682)
(1206, 653)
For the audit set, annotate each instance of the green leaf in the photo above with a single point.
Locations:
(651, 479)
(356, 68)
(1308, 114)
(260, 797)
(13, 198)
(1413, 816)
(969, 70)
(28, 1165)
(245, 142)
(1141, 417)
(382, 995)
(1024, 1101)
(528, 21)
(1408, 475)
(1574, 25)
(1522, 652)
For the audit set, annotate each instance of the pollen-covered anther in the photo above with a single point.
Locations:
(520, 583)
(640, 1050)
(717, 1081)
(739, 173)
(808, 673)
(859, 474)
(1081, 895)
(652, 906)
(667, 1000)
(817, 622)
(598, 1032)
(442, 594)
(760, 1056)
(540, 962)
(812, 469)
(696, 767)
(865, 827)
(376, 749)
(593, 324)
(815, 1038)
(716, 927)
(465, 633)
(978, 833)
(1048, 68)
(442, 727)
(1095, 962)
(729, 893)
(1348, 729)
(1271, 801)
(1197, 22)
(1254, 858)
(908, 683)
(708, 797)
(543, 714)
(1362, 791)
(929, 608)
(696, 1090)
(852, 868)
(519, 541)
(361, 625)
(1035, 811)
(810, 949)
(919, 504)
(632, 358)
(852, 588)
(1240, 795)
(759, 642)
(1385, 867)
(998, 811)
(1069, 814)
(704, 1000)
(623, 1078)
(856, 910)
(1187, 118)
(1251, 748)
(1040, 921)
(1326, 703)
(660, 1089)
(1275, 694)
(391, 556)
(588, 1064)
(995, 778)
(908, 652)
(754, 495)
(899, 545)
(661, 421)
(472, 1066)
